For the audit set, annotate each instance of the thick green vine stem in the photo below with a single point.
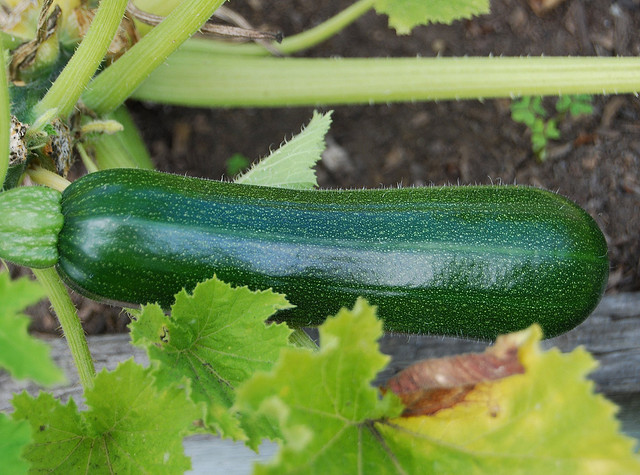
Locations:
(192, 78)
(70, 323)
(117, 82)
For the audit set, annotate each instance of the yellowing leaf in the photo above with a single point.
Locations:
(520, 410)
(546, 420)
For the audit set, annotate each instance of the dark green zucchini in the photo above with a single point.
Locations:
(473, 261)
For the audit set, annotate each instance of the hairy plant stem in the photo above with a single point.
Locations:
(68, 87)
(196, 79)
(70, 323)
(292, 44)
(117, 82)
(5, 120)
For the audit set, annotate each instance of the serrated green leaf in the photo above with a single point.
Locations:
(237, 163)
(130, 425)
(524, 116)
(217, 338)
(291, 166)
(14, 437)
(404, 15)
(22, 355)
(323, 400)
(547, 420)
(150, 329)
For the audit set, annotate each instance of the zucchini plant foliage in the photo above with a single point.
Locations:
(218, 364)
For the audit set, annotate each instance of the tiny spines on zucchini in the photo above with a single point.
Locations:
(468, 261)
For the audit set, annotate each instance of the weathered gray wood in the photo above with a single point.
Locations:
(611, 334)
(210, 454)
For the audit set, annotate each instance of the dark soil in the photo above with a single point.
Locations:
(596, 162)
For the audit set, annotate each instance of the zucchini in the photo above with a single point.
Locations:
(29, 227)
(472, 261)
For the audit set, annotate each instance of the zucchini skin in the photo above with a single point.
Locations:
(472, 261)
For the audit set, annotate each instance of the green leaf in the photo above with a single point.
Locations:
(22, 355)
(130, 425)
(538, 126)
(404, 15)
(551, 130)
(537, 107)
(527, 110)
(217, 338)
(546, 420)
(236, 164)
(524, 116)
(323, 400)
(543, 418)
(581, 105)
(291, 166)
(14, 437)
(149, 326)
(563, 103)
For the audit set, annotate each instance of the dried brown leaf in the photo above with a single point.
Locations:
(431, 385)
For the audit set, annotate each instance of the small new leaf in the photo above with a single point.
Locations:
(404, 15)
(291, 166)
(22, 355)
(130, 424)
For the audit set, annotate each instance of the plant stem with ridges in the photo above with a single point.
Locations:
(70, 323)
(195, 79)
(117, 82)
(69, 86)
